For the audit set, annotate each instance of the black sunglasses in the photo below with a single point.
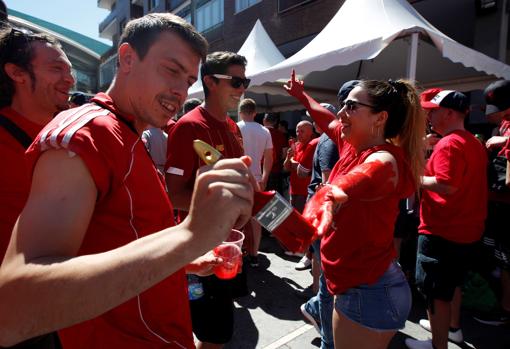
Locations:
(235, 81)
(353, 105)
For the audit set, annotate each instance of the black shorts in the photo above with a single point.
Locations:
(441, 266)
(212, 318)
(497, 237)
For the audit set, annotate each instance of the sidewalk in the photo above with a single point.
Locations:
(269, 318)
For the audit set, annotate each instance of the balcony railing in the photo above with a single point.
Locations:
(106, 23)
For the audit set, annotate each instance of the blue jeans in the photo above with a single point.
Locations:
(383, 306)
(321, 306)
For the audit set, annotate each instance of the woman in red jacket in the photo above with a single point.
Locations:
(379, 134)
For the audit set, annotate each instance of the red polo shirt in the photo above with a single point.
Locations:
(14, 175)
(131, 203)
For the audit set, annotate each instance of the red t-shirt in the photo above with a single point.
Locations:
(199, 124)
(131, 203)
(459, 160)
(303, 155)
(279, 142)
(14, 175)
(360, 249)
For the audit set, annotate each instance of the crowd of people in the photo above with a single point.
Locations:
(109, 215)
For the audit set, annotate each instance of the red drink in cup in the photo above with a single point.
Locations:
(230, 252)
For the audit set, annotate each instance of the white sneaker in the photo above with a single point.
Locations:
(455, 337)
(418, 344)
(304, 263)
(294, 254)
(310, 318)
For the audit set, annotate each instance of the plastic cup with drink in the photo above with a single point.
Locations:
(230, 252)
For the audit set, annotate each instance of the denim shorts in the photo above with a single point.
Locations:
(383, 306)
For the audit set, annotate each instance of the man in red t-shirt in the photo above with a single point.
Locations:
(300, 154)
(31, 93)
(452, 215)
(224, 82)
(93, 253)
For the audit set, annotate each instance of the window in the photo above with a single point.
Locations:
(286, 5)
(185, 14)
(107, 71)
(173, 4)
(209, 14)
(244, 4)
(153, 4)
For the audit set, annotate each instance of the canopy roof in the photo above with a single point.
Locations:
(372, 39)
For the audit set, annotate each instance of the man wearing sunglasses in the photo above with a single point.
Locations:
(35, 79)
(224, 82)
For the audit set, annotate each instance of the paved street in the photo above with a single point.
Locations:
(269, 318)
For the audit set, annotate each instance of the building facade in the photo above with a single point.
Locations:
(479, 24)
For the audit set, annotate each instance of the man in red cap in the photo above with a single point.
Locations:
(452, 215)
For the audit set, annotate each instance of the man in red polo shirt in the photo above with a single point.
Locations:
(34, 86)
(452, 215)
(224, 82)
(93, 252)
(300, 154)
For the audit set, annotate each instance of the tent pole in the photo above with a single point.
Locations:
(412, 58)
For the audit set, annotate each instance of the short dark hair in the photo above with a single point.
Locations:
(247, 106)
(271, 118)
(16, 48)
(218, 63)
(190, 104)
(141, 33)
(3, 12)
(78, 98)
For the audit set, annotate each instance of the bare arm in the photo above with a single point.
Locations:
(431, 183)
(178, 191)
(323, 117)
(290, 164)
(375, 178)
(266, 167)
(41, 263)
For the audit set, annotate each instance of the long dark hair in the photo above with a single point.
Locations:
(406, 123)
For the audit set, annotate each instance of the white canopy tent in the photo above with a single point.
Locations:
(379, 39)
(260, 52)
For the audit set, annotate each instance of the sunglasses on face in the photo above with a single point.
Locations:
(235, 81)
(351, 105)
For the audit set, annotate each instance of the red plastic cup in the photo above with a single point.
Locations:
(230, 251)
